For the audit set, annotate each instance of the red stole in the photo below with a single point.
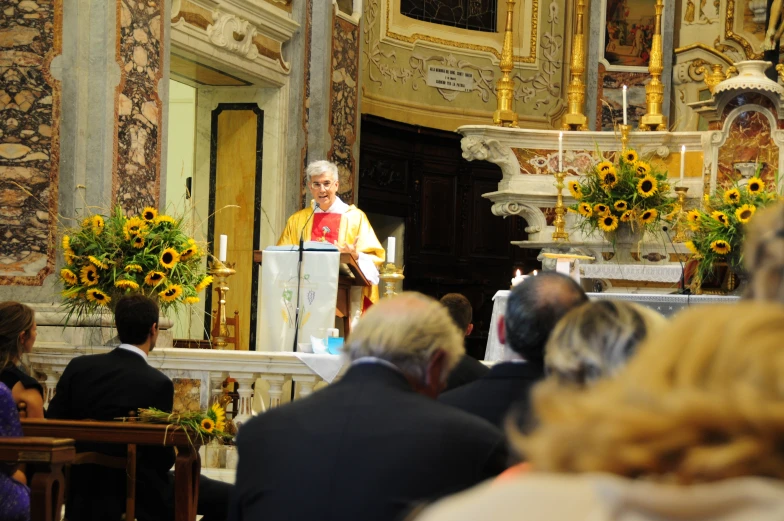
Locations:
(325, 227)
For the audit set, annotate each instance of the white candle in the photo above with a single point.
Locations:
(624, 105)
(391, 250)
(535, 273)
(560, 151)
(224, 241)
(683, 161)
(518, 278)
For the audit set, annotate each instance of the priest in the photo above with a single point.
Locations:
(328, 219)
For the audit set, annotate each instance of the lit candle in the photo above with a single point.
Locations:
(624, 105)
(535, 273)
(224, 241)
(518, 278)
(683, 161)
(560, 151)
(391, 250)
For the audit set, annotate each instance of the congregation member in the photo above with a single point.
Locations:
(690, 430)
(532, 311)
(468, 368)
(595, 340)
(763, 255)
(375, 444)
(329, 219)
(18, 332)
(14, 495)
(113, 385)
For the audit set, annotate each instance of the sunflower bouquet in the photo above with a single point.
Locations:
(718, 229)
(207, 425)
(109, 257)
(629, 190)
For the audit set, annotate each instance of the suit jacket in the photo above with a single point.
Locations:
(467, 370)
(365, 448)
(105, 387)
(492, 396)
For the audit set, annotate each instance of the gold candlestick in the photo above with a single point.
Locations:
(654, 91)
(575, 119)
(221, 272)
(624, 136)
(391, 274)
(680, 219)
(505, 115)
(560, 223)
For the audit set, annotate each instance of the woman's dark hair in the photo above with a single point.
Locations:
(134, 316)
(15, 319)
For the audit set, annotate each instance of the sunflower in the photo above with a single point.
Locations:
(721, 247)
(608, 223)
(207, 425)
(630, 156)
(188, 253)
(601, 209)
(745, 213)
(755, 185)
(609, 179)
(154, 277)
(69, 276)
(604, 166)
(191, 300)
(576, 189)
(71, 293)
(732, 196)
(641, 168)
(97, 262)
(647, 186)
(98, 296)
(69, 256)
(621, 206)
(627, 216)
(169, 258)
(690, 245)
(648, 216)
(133, 226)
(131, 268)
(96, 221)
(89, 275)
(86, 222)
(126, 284)
(171, 293)
(164, 219)
(138, 241)
(584, 209)
(149, 214)
(721, 217)
(206, 281)
(66, 242)
(218, 415)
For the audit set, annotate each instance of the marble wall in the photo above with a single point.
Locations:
(30, 38)
(609, 109)
(308, 39)
(344, 99)
(138, 106)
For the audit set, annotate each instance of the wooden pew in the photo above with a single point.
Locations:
(187, 466)
(46, 457)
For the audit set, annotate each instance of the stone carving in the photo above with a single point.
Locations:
(476, 148)
(234, 34)
(548, 80)
(534, 216)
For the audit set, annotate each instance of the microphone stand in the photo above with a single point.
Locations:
(299, 278)
(682, 290)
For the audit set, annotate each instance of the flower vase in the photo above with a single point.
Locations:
(625, 240)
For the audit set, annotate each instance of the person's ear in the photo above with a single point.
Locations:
(153, 331)
(501, 330)
(435, 377)
(469, 329)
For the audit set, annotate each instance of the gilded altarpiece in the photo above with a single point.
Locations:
(30, 38)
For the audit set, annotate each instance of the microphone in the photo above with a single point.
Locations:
(682, 290)
(299, 276)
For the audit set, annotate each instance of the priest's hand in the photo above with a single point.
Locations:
(349, 248)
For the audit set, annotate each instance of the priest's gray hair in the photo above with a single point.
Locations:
(406, 331)
(321, 167)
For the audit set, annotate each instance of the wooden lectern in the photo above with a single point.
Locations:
(353, 276)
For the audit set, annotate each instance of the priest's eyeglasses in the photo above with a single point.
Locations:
(318, 186)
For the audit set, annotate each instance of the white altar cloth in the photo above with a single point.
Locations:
(638, 272)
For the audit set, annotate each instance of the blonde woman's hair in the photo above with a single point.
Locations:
(15, 319)
(596, 339)
(701, 401)
(406, 330)
(321, 167)
(763, 254)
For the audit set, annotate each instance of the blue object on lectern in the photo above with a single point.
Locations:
(334, 345)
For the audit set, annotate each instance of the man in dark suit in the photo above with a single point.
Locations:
(109, 386)
(376, 443)
(468, 368)
(532, 310)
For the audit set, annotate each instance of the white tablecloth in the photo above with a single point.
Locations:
(495, 350)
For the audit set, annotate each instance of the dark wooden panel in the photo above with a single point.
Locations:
(438, 214)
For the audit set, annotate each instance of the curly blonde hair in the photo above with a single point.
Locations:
(763, 255)
(702, 401)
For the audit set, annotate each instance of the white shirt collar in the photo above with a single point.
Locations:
(378, 361)
(337, 207)
(133, 349)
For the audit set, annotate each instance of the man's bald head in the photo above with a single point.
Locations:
(533, 309)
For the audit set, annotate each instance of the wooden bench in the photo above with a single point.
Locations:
(187, 466)
(46, 457)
